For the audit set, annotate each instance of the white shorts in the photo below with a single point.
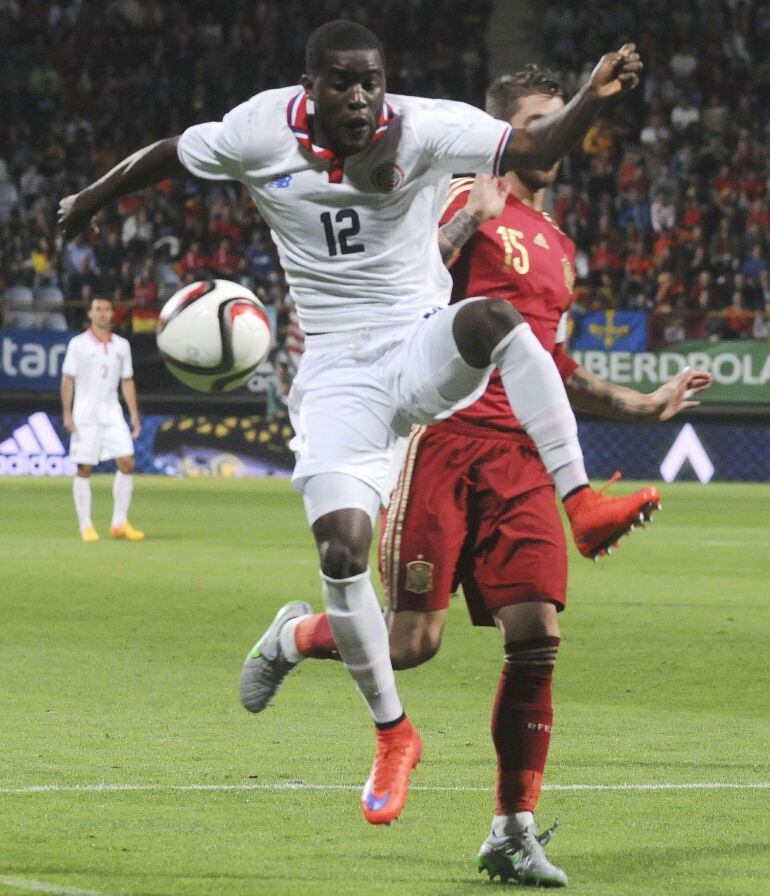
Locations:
(94, 442)
(357, 392)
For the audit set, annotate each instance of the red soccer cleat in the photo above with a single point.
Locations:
(598, 521)
(399, 749)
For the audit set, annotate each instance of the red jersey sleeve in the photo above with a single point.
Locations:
(565, 365)
(457, 196)
(459, 189)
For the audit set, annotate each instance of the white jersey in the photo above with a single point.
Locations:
(356, 237)
(97, 368)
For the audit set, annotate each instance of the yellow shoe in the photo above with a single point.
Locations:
(89, 534)
(127, 531)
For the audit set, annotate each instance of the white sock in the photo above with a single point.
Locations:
(538, 399)
(356, 619)
(122, 489)
(507, 825)
(81, 492)
(287, 640)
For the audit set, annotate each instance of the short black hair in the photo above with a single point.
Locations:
(504, 93)
(340, 34)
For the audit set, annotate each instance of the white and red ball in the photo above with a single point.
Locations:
(213, 335)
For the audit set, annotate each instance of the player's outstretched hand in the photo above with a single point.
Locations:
(616, 73)
(676, 395)
(75, 215)
(486, 199)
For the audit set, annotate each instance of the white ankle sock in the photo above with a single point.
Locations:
(122, 489)
(507, 825)
(81, 492)
(356, 620)
(288, 643)
(538, 399)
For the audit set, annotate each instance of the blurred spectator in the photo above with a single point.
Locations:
(667, 200)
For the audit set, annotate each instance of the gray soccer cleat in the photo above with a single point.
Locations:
(266, 666)
(521, 857)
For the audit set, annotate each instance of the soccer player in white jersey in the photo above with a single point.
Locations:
(96, 363)
(351, 181)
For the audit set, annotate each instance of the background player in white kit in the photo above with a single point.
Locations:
(352, 183)
(96, 363)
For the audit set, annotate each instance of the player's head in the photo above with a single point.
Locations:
(100, 313)
(522, 98)
(345, 78)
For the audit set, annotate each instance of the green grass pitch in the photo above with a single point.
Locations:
(119, 666)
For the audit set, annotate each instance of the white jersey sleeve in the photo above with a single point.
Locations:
(70, 365)
(459, 138)
(126, 364)
(214, 149)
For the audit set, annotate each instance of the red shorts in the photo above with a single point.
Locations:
(474, 511)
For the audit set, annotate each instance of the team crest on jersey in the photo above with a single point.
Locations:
(419, 577)
(569, 275)
(388, 177)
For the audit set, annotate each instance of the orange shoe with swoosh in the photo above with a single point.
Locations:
(399, 749)
(599, 520)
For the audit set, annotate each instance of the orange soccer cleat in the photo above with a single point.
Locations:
(399, 749)
(126, 531)
(598, 521)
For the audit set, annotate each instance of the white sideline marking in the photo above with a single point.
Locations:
(41, 886)
(301, 785)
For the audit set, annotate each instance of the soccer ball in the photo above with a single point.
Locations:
(213, 335)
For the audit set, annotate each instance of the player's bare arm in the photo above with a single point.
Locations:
(593, 395)
(142, 169)
(542, 143)
(128, 389)
(67, 390)
(486, 201)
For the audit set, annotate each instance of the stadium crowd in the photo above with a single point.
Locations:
(667, 201)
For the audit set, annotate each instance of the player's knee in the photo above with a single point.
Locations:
(480, 326)
(126, 465)
(414, 650)
(342, 559)
(500, 317)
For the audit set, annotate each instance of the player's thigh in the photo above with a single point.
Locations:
(520, 551)
(415, 636)
(424, 529)
(115, 441)
(342, 425)
(84, 444)
(429, 376)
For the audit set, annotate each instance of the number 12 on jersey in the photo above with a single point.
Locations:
(343, 234)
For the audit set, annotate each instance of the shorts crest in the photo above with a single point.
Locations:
(419, 577)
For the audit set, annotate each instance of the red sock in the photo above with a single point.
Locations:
(521, 723)
(313, 637)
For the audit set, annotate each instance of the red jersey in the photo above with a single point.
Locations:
(524, 258)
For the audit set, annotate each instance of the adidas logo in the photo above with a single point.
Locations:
(541, 241)
(35, 449)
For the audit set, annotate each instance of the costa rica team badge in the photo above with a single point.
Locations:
(388, 177)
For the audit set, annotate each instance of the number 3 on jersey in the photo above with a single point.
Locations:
(344, 233)
(516, 255)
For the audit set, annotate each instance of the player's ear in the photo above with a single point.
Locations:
(308, 84)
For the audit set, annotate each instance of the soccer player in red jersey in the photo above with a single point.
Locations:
(474, 504)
